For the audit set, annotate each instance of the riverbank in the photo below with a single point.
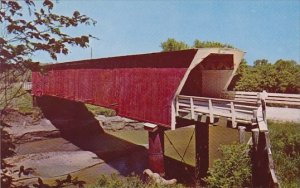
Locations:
(50, 154)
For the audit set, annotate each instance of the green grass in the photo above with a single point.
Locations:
(117, 181)
(24, 103)
(17, 99)
(285, 141)
(98, 110)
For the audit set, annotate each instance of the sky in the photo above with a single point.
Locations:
(263, 29)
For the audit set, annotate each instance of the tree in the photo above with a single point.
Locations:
(210, 44)
(258, 78)
(281, 77)
(260, 62)
(173, 45)
(288, 76)
(22, 38)
(242, 70)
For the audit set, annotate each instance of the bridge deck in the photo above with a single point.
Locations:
(190, 107)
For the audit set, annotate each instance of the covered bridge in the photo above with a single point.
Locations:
(162, 89)
(149, 88)
(141, 87)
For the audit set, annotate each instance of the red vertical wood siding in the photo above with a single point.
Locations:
(140, 87)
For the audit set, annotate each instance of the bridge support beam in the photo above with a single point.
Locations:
(156, 151)
(202, 149)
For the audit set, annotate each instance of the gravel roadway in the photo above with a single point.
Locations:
(283, 114)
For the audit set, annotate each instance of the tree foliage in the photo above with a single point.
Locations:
(240, 72)
(210, 44)
(29, 27)
(7, 150)
(42, 32)
(280, 77)
(172, 44)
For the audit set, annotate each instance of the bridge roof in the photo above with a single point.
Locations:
(175, 59)
(141, 87)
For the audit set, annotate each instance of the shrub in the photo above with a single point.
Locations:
(285, 140)
(233, 169)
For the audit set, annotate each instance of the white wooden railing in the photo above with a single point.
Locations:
(27, 86)
(236, 112)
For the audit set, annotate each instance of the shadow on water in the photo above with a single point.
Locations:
(79, 126)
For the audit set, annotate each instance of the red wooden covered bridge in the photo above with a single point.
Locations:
(156, 88)
(142, 87)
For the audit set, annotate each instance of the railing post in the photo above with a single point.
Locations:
(242, 134)
(271, 165)
(263, 96)
(254, 118)
(192, 108)
(177, 105)
(233, 118)
(264, 111)
(210, 109)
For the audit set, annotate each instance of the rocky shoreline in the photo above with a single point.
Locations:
(115, 123)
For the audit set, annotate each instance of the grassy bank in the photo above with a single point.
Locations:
(98, 110)
(16, 98)
(285, 140)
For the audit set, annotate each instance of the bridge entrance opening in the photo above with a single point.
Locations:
(210, 77)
